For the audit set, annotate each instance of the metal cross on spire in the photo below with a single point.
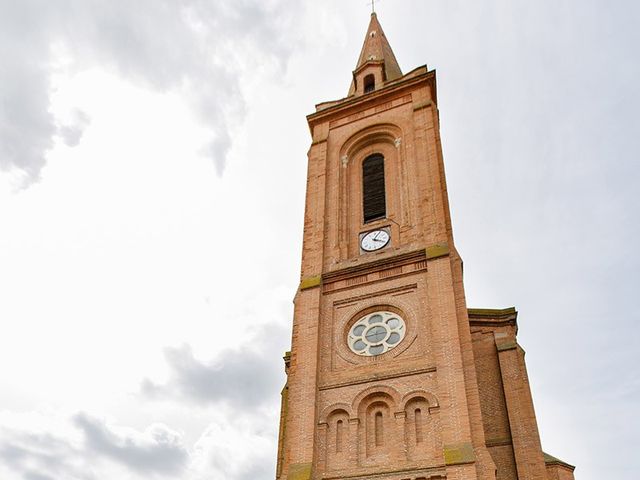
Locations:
(373, 5)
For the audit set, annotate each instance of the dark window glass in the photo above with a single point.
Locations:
(373, 196)
(393, 338)
(369, 83)
(376, 334)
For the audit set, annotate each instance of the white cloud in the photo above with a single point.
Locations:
(47, 446)
(197, 47)
(245, 377)
(39, 446)
(235, 447)
(72, 130)
(156, 451)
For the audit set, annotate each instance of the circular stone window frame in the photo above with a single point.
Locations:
(360, 332)
(345, 319)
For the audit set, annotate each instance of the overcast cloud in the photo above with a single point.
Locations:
(156, 451)
(201, 48)
(88, 448)
(246, 378)
(36, 455)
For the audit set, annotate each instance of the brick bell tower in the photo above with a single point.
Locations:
(390, 376)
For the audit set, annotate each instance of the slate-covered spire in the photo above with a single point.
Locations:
(376, 49)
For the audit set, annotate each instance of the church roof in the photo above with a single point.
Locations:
(376, 48)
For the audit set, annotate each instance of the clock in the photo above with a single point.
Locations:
(374, 240)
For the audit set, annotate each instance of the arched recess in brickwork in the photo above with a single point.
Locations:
(384, 140)
(373, 134)
(421, 426)
(379, 433)
(338, 440)
(324, 415)
(381, 390)
(431, 399)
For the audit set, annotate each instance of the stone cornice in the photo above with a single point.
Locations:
(488, 317)
(374, 266)
(341, 108)
(432, 473)
(376, 378)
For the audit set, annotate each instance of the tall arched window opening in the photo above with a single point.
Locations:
(374, 203)
(418, 420)
(339, 433)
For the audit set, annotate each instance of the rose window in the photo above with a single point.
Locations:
(376, 333)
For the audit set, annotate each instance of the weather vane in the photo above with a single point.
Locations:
(373, 5)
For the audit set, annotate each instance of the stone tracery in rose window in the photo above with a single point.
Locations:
(376, 333)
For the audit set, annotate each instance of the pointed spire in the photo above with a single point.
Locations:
(376, 48)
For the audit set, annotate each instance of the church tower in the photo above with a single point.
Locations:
(390, 375)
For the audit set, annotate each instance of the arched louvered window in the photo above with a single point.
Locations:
(374, 203)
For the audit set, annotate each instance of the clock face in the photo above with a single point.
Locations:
(374, 240)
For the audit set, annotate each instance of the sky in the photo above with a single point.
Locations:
(152, 176)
